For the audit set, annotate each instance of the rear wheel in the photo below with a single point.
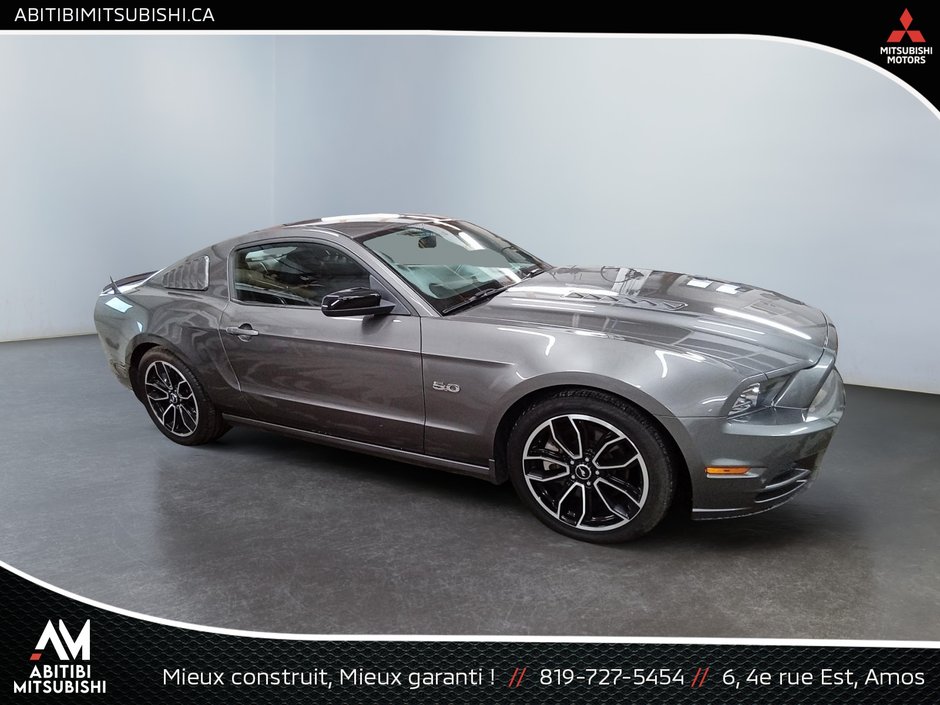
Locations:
(591, 466)
(175, 400)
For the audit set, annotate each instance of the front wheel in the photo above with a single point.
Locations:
(175, 400)
(591, 466)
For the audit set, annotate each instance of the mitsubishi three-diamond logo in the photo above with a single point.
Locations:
(906, 45)
(898, 34)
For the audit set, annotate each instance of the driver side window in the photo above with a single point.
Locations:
(294, 273)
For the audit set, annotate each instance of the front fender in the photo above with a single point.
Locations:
(496, 366)
(556, 380)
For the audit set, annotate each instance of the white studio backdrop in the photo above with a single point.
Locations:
(760, 161)
(119, 155)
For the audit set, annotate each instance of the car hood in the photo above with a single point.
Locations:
(753, 329)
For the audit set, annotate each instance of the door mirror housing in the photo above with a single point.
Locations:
(355, 302)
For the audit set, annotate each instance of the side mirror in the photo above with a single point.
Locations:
(355, 302)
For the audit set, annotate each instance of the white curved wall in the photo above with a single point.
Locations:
(757, 161)
(119, 155)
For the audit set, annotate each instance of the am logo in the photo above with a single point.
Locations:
(65, 647)
(64, 667)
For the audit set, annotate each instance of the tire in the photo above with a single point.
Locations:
(591, 466)
(176, 401)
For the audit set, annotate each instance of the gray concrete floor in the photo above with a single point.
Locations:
(268, 533)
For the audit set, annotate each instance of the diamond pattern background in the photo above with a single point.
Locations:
(131, 655)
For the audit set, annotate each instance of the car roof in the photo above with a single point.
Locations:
(360, 225)
(353, 227)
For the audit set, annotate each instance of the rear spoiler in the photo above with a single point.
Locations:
(124, 281)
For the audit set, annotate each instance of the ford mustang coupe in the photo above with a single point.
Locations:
(601, 393)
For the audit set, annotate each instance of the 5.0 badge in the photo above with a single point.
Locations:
(445, 387)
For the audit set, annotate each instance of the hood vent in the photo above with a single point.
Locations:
(613, 298)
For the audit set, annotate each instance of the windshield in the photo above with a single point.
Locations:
(453, 263)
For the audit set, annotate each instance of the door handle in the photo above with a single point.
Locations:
(244, 330)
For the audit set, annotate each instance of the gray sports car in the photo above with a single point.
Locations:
(601, 393)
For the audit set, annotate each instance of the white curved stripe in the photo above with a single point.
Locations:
(470, 637)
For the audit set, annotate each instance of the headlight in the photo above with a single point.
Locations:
(747, 401)
(757, 396)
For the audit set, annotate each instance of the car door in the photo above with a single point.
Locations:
(356, 377)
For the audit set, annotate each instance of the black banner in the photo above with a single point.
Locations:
(61, 647)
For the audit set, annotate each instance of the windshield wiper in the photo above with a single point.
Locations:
(533, 271)
(476, 298)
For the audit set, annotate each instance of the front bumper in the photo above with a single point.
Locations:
(783, 449)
